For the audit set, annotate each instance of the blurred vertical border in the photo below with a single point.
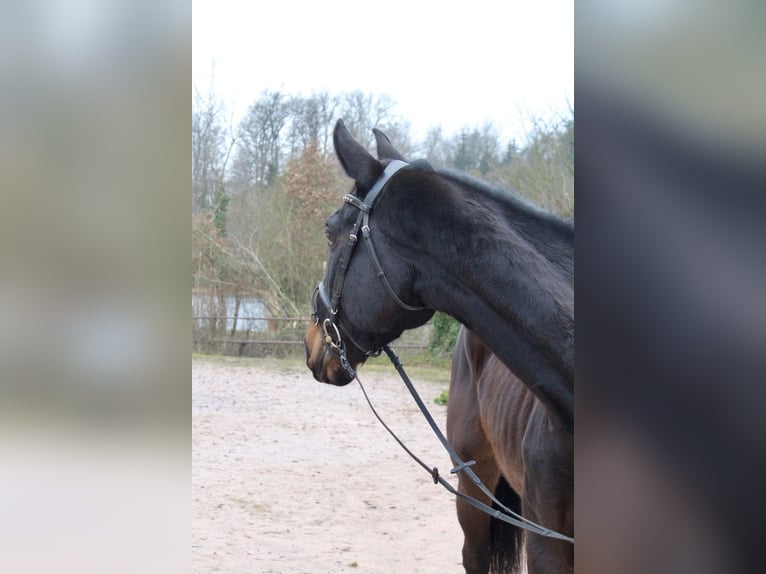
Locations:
(671, 340)
(94, 204)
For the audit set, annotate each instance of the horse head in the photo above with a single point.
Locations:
(367, 297)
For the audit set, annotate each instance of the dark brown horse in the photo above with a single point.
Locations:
(410, 240)
(520, 453)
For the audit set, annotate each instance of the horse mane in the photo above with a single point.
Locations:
(511, 199)
(551, 234)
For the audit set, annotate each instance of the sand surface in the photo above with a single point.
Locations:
(290, 475)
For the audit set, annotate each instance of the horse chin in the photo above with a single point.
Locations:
(329, 370)
(334, 374)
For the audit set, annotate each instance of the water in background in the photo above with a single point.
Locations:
(248, 307)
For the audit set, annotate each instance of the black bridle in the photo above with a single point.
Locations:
(331, 326)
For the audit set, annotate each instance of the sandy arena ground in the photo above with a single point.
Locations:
(290, 475)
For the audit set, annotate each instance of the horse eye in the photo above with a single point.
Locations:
(330, 237)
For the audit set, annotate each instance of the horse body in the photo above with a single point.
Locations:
(436, 240)
(494, 419)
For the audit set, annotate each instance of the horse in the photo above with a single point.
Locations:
(493, 419)
(441, 240)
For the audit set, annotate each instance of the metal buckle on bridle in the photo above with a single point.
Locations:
(330, 331)
(333, 339)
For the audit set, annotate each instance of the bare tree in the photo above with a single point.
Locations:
(363, 111)
(212, 144)
(312, 121)
(259, 153)
(436, 148)
(476, 150)
(543, 170)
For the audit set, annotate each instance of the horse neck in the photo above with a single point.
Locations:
(500, 269)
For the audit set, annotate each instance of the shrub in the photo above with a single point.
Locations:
(443, 335)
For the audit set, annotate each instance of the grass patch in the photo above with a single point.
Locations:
(421, 366)
(275, 363)
(442, 398)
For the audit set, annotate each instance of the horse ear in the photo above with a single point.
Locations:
(385, 149)
(357, 162)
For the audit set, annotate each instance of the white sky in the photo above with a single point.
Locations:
(448, 63)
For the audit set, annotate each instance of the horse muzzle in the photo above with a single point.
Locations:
(323, 359)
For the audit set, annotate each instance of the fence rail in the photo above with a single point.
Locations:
(277, 336)
(249, 318)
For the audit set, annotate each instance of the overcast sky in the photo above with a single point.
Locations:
(444, 63)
